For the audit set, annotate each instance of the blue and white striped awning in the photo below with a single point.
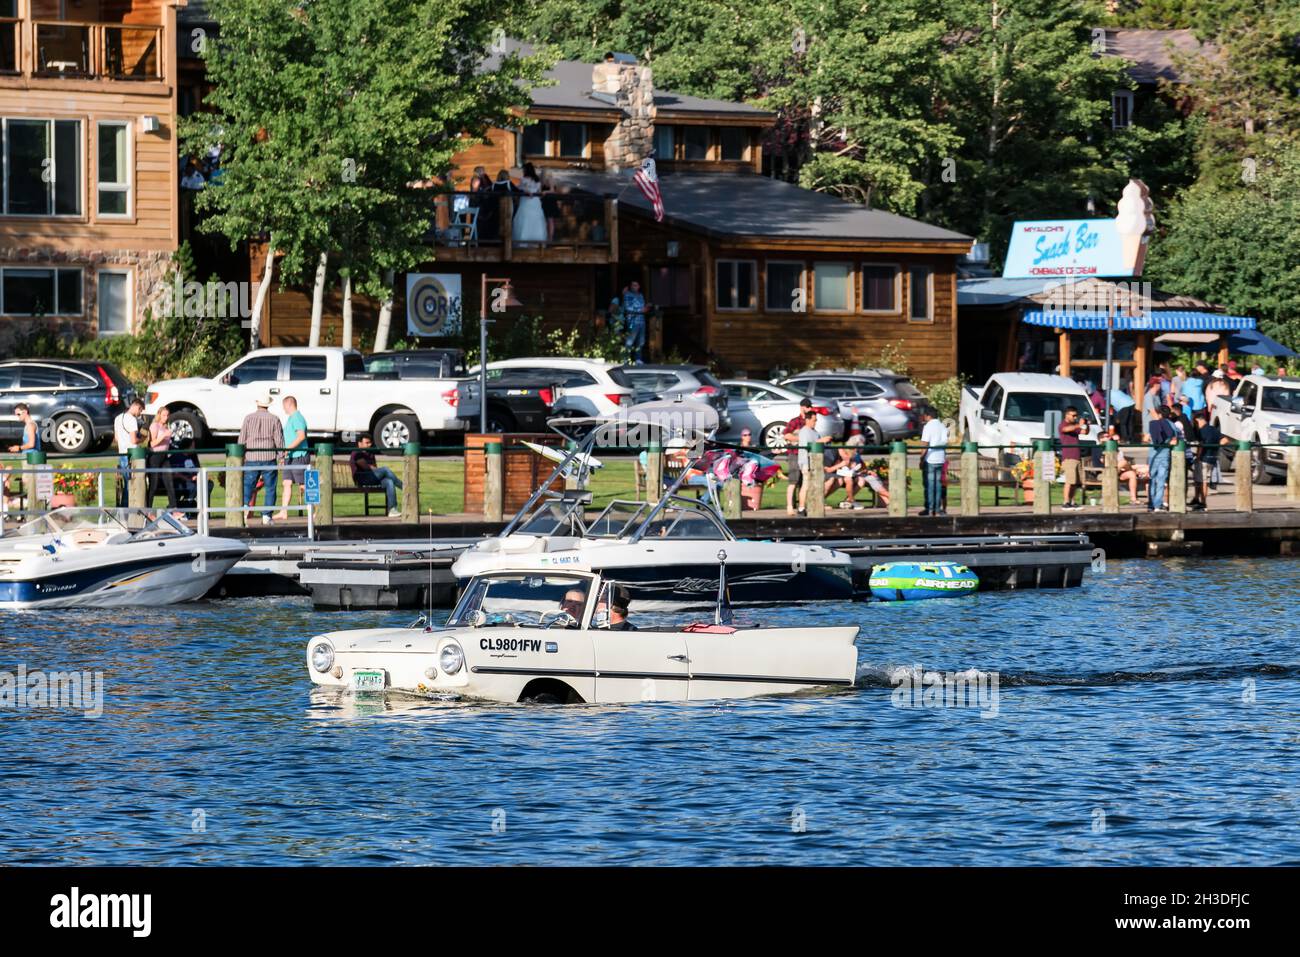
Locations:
(1171, 320)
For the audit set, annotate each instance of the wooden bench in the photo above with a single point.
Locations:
(344, 485)
(991, 473)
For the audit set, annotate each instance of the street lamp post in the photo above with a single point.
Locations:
(483, 321)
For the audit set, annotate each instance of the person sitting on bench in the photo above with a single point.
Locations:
(367, 475)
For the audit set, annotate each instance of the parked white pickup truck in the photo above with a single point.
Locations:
(1263, 409)
(334, 392)
(1011, 407)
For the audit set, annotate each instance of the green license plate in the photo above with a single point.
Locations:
(368, 680)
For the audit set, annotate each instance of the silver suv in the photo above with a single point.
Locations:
(887, 405)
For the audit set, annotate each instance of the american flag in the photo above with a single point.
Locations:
(647, 180)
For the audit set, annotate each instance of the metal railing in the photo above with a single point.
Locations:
(470, 219)
(116, 51)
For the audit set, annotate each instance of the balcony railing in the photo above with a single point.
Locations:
(495, 226)
(110, 50)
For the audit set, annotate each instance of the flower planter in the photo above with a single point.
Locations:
(1028, 486)
(63, 500)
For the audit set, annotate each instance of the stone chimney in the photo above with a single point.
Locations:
(630, 87)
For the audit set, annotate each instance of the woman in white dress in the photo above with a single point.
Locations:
(530, 220)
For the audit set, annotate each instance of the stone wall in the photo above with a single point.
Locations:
(150, 270)
(631, 87)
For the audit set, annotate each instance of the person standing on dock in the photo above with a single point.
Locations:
(262, 437)
(935, 436)
(295, 461)
(1072, 427)
(794, 477)
(126, 433)
(1163, 436)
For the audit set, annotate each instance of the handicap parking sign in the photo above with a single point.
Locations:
(311, 487)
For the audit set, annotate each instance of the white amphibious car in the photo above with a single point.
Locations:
(546, 636)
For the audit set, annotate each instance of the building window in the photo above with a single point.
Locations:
(572, 139)
(785, 287)
(879, 288)
(114, 301)
(734, 141)
(665, 141)
(535, 137)
(40, 292)
(42, 167)
(920, 280)
(113, 142)
(832, 287)
(1121, 109)
(695, 142)
(735, 288)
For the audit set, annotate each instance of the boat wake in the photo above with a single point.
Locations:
(891, 676)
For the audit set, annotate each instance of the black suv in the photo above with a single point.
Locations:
(74, 400)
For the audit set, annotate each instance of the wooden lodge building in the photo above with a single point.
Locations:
(748, 272)
(88, 218)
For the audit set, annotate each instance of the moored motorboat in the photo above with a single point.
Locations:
(913, 581)
(101, 558)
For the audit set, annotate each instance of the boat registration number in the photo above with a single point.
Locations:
(368, 680)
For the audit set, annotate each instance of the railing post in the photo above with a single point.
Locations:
(1242, 467)
(611, 228)
(731, 498)
(325, 468)
(654, 471)
(411, 483)
(507, 221)
(99, 488)
(138, 490)
(1110, 477)
(1043, 456)
(816, 479)
(493, 482)
(897, 479)
(201, 500)
(234, 486)
(1293, 468)
(970, 478)
(1178, 478)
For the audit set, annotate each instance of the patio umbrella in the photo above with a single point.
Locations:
(1252, 342)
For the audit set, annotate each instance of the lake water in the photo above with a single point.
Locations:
(1150, 717)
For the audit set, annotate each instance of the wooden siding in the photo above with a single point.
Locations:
(523, 469)
(496, 153)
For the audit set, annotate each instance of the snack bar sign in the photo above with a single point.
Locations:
(1065, 248)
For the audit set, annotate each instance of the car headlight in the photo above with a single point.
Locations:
(322, 656)
(451, 659)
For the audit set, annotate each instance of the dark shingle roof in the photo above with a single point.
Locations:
(736, 205)
(1152, 51)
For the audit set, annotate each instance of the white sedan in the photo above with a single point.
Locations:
(547, 636)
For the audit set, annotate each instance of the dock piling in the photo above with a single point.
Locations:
(970, 478)
(816, 479)
(411, 483)
(1241, 478)
(234, 485)
(494, 502)
(654, 470)
(138, 489)
(731, 498)
(1293, 468)
(1178, 478)
(898, 479)
(1044, 460)
(325, 466)
(1110, 477)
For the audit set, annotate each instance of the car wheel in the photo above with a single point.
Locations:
(187, 426)
(498, 421)
(872, 433)
(773, 436)
(72, 434)
(396, 429)
(1259, 474)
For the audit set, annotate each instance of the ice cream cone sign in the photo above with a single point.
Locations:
(1135, 222)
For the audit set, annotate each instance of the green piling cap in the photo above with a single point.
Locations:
(139, 455)
(411, 448)
(1243, 445)
(970, 447)
(1042, 445)
(1180, 446)
(325, 449)
(235, 451)
(898, 447)
(492, 447)
(35, 457)
(1293, 440)
(1111, 446)
(654, 446)
(816, 448)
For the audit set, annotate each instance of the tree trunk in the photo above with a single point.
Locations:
(385, 314)
(347, 312)
(259, 303)
(318, 300)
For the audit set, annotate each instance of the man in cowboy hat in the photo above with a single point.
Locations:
(262, 436)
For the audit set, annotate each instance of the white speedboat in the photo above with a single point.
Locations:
(663, 552)
(523, 635)
(103, 558)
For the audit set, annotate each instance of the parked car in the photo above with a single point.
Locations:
(74, 400)
(1263, 409)
(517, 401)
(589, 386)
(335, 393)
(764, 409)
(687, 381)
(887, 405)
(1012, 409)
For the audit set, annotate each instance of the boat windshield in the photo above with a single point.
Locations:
(522, 599)
(617, 519)
(554, 518)
(680, 519)
(138, 523)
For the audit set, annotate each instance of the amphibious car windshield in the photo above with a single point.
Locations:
(523, 599)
